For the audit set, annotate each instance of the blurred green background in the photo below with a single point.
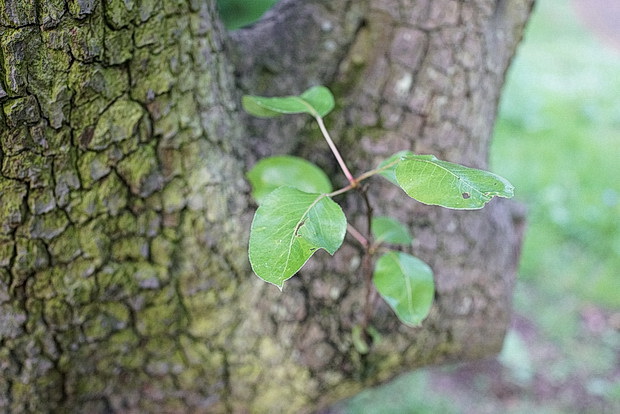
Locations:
(557, 139)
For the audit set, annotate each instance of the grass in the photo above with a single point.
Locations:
(558, 139)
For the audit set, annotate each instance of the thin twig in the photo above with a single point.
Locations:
(370, 173)
(358, 236)
(364, 192)
(361, 178)
(332, 146)
(341, 191)
(367, 262)
(367, 274)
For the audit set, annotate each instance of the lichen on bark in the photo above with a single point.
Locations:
(91, 319)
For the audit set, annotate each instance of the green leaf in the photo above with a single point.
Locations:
(288, 227)
(317, 101)
(389, 230)
(252, 106)
(285, 170)
(390, 172)
(406, 284)
(320, 98)
(442, 183)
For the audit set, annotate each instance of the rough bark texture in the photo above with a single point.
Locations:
(124, 284)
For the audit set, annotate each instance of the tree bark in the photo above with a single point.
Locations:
(124, 214)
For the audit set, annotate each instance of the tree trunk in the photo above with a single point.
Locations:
(124, 214)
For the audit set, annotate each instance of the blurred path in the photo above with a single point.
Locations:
(602, 17)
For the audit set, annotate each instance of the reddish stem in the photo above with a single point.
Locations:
(332, 146)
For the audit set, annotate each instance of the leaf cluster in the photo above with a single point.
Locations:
(297, 215)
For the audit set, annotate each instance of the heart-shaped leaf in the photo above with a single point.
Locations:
(442, 183)
(288, 227)
(406, 284)
(389, 230)
(317, 101)
(285, 170)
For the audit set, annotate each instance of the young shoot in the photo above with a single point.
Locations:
(297, 216)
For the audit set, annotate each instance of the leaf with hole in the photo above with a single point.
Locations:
(285, 170)
(317, 101)
(406, 284)
(442, 183)
(288, 227)
(389, 230)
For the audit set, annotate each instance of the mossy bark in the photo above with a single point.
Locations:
(124, 283)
